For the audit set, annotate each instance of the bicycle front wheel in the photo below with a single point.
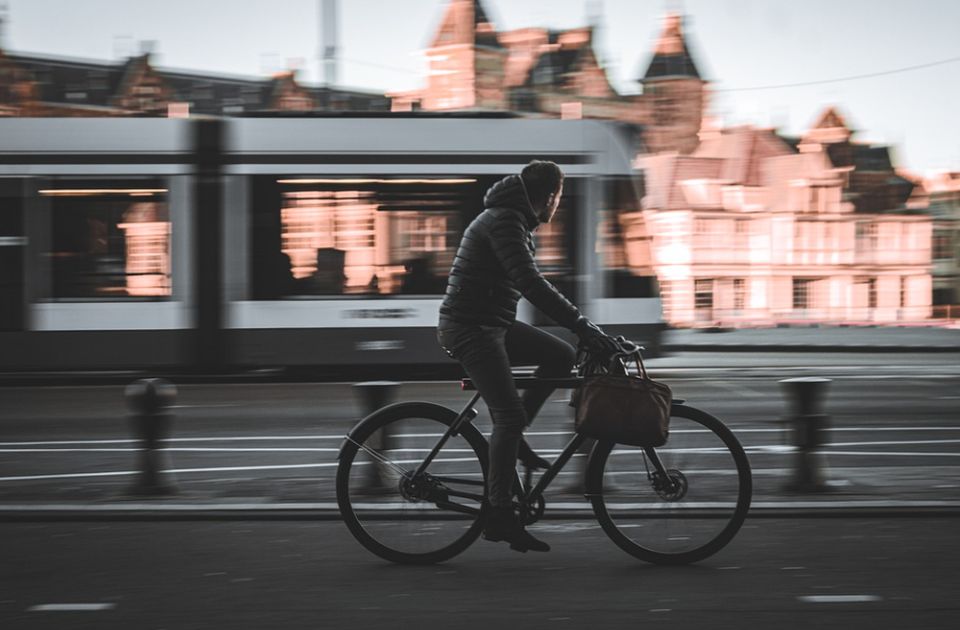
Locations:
(398, 514)
(685, 516)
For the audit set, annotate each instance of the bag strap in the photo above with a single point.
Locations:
(590, 365)
(638, 361)
(641, 367)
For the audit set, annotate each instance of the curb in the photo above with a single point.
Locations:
(329, 512)
(802, 347)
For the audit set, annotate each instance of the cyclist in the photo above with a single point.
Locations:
(493, 268)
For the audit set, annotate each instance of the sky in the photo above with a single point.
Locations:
(737, 44)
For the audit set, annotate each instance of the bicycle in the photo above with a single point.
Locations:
(411, 483)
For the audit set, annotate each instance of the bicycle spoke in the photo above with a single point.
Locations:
(682, 509)
(404, 514)
(377, 456)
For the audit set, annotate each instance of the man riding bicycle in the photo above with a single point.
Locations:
(493, 268)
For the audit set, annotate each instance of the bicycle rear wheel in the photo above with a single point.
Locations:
(686, 517)
(400, 516)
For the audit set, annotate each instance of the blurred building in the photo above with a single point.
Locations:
(540, 72)
(741, 225)
(36, 85)
(753, 228)
(944, 197)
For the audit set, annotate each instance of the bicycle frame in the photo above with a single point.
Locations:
(527, 495)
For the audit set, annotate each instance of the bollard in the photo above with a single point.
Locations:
(150, 399)
(577, 468)
(808, 430)
(373, 395)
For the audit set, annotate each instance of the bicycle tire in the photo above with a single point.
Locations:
(598, 475)
(349, 498)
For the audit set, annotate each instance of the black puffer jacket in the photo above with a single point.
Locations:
(495, 265)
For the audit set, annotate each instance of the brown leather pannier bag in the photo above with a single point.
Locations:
(624, 408)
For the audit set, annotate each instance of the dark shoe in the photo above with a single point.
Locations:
(503, 525)
(530, 459)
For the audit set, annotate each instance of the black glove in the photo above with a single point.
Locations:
(593, 339)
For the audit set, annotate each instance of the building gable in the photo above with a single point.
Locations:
(465, 22)
(142, 89)
(671, 57)
(288, 95)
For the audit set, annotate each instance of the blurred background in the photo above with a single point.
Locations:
(813, 183)
(260, 202)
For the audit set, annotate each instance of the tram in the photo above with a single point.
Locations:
(231, 244)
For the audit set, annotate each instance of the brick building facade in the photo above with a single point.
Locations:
(754, 229)
(37, 85)
(540, 72)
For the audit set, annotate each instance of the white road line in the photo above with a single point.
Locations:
(862, 429)
(893, 454)
(329, 505)
(71, 607)
(121, 473)
(176, 449)
(341, 437)
(838, 599)
(739, 389)
(196, 439)
(894, 442)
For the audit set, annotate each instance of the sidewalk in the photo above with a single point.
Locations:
(814, 339)
(859, 491)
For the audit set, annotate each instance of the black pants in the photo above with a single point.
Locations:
(486, 353)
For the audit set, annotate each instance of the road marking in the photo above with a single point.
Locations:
(205, 406)
(894, 442)
(838, 599)
(739, 389)
(71, 607)
(176, 449)
(192, 439)
(581, 509)
(769, 448)
(889, 453)
(341, 436)
(121, 473)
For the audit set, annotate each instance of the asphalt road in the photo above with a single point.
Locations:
(895, 430)
(805, 573)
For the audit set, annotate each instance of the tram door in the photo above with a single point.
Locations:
(12, 242)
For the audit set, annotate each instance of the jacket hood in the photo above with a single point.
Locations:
(509, 193)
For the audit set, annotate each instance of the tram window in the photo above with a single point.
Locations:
(623, 242)
(110, 239)
(358, 235)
